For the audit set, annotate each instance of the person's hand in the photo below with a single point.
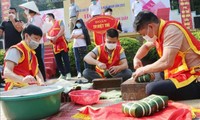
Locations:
(137, 63)
(102, 65)
(42, 84)
(138, 72)
(114, 70)
(29, 79)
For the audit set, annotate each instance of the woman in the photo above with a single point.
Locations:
(81, 41)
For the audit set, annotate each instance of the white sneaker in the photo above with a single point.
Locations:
(79, 75)
(68, 76)
(62, 77)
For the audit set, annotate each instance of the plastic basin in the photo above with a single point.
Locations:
(85, 97)
(31, 103)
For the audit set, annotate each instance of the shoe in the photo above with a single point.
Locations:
(62, 77)
(68, 76)
(79, 75)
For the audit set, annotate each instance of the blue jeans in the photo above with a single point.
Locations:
(61, 58)
(79, 54)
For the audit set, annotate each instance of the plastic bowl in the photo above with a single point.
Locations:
(85, 97)
(31, 103)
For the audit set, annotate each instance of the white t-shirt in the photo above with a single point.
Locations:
(37, 21)
(95, 9)
(73, 10)
(137, 7)
(78, 42)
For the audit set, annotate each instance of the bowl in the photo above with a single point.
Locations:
(85, 97)
(31, 103)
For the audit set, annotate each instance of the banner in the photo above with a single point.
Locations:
(185, 11)
(100, 24)
(121, 10)
(5, 5)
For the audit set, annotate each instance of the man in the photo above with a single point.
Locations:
(94, 8)
(109, 11)
(136, 7)
(179, 53)
(73, 14)
(33, 17)
(12, 29)
(60, 47)
(20, 62)
(108, 56)
(1, 31)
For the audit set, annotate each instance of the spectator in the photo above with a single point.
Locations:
(81, 41)
(110, 57)
(1, 31)
(20, 62)
(136, 7)
(95, 8)
(109, 11)
(73, 14)
(33, 16)
(60, 47)
(12, 29)
(179, 57)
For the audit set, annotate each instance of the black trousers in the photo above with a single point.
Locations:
(167, 88)
(39, 52)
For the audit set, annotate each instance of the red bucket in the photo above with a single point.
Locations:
(85, 97)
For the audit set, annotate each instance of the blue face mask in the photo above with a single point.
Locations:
(72, 4)
(94, 2)
(78, 25)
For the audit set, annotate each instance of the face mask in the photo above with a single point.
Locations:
(94, 2)
(111, 46)
(78, 25)
(13, 16)
(107, 13)
(26, 11)
(72, 4)
(149, 39)
(33, 44)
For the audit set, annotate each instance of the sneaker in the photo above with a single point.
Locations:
(79, 75)
(68, 76)
(62, 77)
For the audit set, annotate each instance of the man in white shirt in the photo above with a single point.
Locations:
(73, 14)
(94, 8)
(136, 7)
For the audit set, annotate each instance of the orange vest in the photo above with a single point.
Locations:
(110, 61)
(28, 65)
(180, 74)
(99, 38)
(60, 43)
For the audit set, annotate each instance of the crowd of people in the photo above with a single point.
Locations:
(178, 49)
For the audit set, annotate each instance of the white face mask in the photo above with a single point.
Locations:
(149, 39)
(26, 11)
(108, 13)
(12, 15)
(33, 44)
(111, 46)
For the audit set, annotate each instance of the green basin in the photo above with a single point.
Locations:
(42, 102)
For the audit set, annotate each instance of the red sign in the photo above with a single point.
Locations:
(186, 13)
(100, 24)
(5, 5)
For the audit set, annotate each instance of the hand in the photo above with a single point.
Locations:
(137, 63)
(29, 79)
(138, 72)
(102, 65)
(42, 84)
(114, 70)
